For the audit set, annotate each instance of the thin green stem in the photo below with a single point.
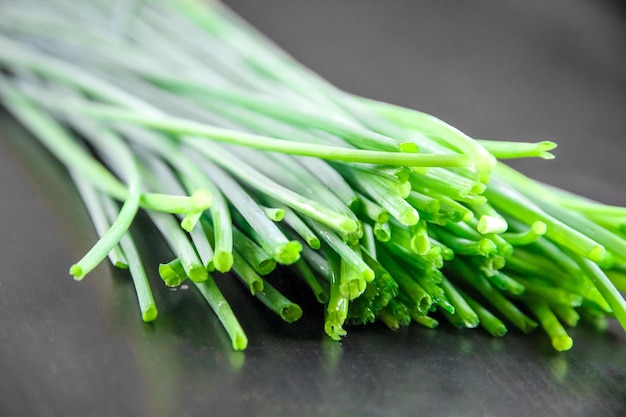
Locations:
(549, 322)
(514, 203)
(509, 150)
(180, 245)
(297, 202)
(466, 314)
(348, 254)
(172, 273)
(184, 127)
(337, 308)
(98, 217)
(493, 325)
(145, 298)
(283, 250)
(222, 309)
(300, 227)
(494, 297)
(606, 287)
(319, 290)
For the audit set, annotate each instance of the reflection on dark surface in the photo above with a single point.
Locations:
(80, 349)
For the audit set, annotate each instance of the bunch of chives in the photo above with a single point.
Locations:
(247, 162)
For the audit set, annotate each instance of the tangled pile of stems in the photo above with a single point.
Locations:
(244, 160)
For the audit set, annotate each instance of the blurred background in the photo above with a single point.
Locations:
(531, 70)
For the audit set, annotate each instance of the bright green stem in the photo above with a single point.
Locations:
(137, 272)
(447, 182)
(606, 287)
(423, 203)
(351, 284)
(491, 224)
(425, 321)
(462, 309)
(193, 180)
(384, 194)
(284, 195)
(262, 262)
(317, 262)
(399, 311)
(221, 100)
(180, 245)
(278, 303)
(307, 274)
(382, 232)
(389, 319)
(172, 273)
(506, 283)
(434, 127)
(299, 226)
(299, 180)
(618, 278)
(550, 201)
(555, 257)
(566, 314)
(420, 241)
(278, 245)
(184, 127)
(199, 201)
(418, 297)
(203, 246)
(494, 297)
(493, 325)
(94, 205)
(337, 308)
(383, 279)
(325, 173)
(349, 255)
(142, 287)
(247, 274)
(509, 150)
(373, 211)
(549, 322)
(552, 295)
(463, 246)
(273, 213)
(369, 240)
(514, 203)
(220, 306)
(130, 170)
(447, 254)
(450, 208)
(537, 230)
(489, 220)
(111, 145)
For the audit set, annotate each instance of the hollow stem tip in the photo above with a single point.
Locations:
(77, 272)
(223, 261)
(288, 253)
(291, 313)
(201, 199)
(149, 314)
(197, 273)
(353, 288)
(171, 276)
(597, 253)
(562, 343)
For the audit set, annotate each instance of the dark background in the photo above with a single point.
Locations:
(515, 70)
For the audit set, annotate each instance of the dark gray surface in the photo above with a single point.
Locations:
(508, 70)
